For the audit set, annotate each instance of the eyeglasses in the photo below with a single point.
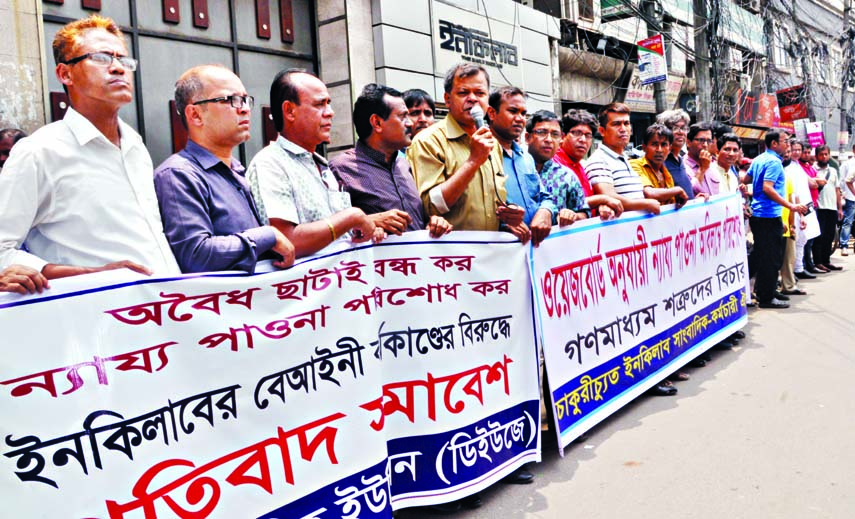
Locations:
(579, 134)
(235, 100)
(546, 133)
(106, 59)
(681, 129)
(702, 141)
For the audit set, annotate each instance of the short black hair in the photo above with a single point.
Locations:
(283, 89)
(540, 116)
(611, 108)
(658, 130)
(822, 148)
(772, 136)
(719, 129)
(697, 128)
(728, 137)
(416, 96)
(463, 70)
(14, 133)
(502, 93)
(574, 118)
(371, 101)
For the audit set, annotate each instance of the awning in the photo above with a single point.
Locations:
(745, 132)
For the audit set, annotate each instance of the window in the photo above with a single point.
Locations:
(586, 9)
(780, 53)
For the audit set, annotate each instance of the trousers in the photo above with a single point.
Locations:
(767, 256)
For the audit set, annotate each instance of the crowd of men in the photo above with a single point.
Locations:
(81, 195)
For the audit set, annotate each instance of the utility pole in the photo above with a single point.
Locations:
(769, 31)
(846, 47)
(654, 18)
(804, 57)
(702, 61)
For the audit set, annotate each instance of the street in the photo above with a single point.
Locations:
(763, 431)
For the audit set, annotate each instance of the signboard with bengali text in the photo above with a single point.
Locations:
(652, 66)
(352, 384)
(621, 306)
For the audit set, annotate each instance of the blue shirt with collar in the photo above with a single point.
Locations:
(767, 167)
(209, 216)
(522, 183)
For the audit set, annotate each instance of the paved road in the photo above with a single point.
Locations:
(766, 431)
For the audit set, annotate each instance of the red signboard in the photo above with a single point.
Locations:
(756, 109)
(791, 103)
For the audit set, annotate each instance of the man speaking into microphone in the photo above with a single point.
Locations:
(457, 163)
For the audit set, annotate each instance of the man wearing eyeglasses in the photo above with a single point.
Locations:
(543, 133)
(208, 212)
(698, 160)
(79, 191)
(678, 122)
(579, 128)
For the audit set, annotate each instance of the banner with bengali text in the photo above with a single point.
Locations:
(623, 304)
(359, 381)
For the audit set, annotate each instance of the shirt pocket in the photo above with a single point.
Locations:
(532, 185)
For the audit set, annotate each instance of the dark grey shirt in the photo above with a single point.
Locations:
(209, 216)
(376, 186)
(681, 179)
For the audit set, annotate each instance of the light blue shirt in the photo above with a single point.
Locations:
(522, 183)
(766, 168)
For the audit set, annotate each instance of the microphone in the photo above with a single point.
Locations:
(477, 113)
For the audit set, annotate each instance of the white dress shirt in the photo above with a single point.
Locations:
(76, 199)
(847, 173)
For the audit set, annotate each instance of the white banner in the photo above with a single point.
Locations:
(300, 393)
(623, 304)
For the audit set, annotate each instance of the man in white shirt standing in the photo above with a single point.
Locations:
(80, 191)
(847, 187)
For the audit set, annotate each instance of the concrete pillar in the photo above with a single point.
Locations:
(22, 71)
(346, 60)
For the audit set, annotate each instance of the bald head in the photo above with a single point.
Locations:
(301, 107)
(214, 107)
(190, 86)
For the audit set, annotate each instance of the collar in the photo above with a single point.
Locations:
(561, 154)
(774, 154)
(208, 160)
(547, 166)
(691, 161)
(297, 150)
(611, 153)
(646, 163)
(84, 131)
(377, 156)
(452, 129)
(516, 151)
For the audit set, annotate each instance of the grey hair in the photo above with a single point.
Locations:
(671, 117)
(462, 71)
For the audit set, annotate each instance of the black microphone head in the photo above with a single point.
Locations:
(478, 114)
